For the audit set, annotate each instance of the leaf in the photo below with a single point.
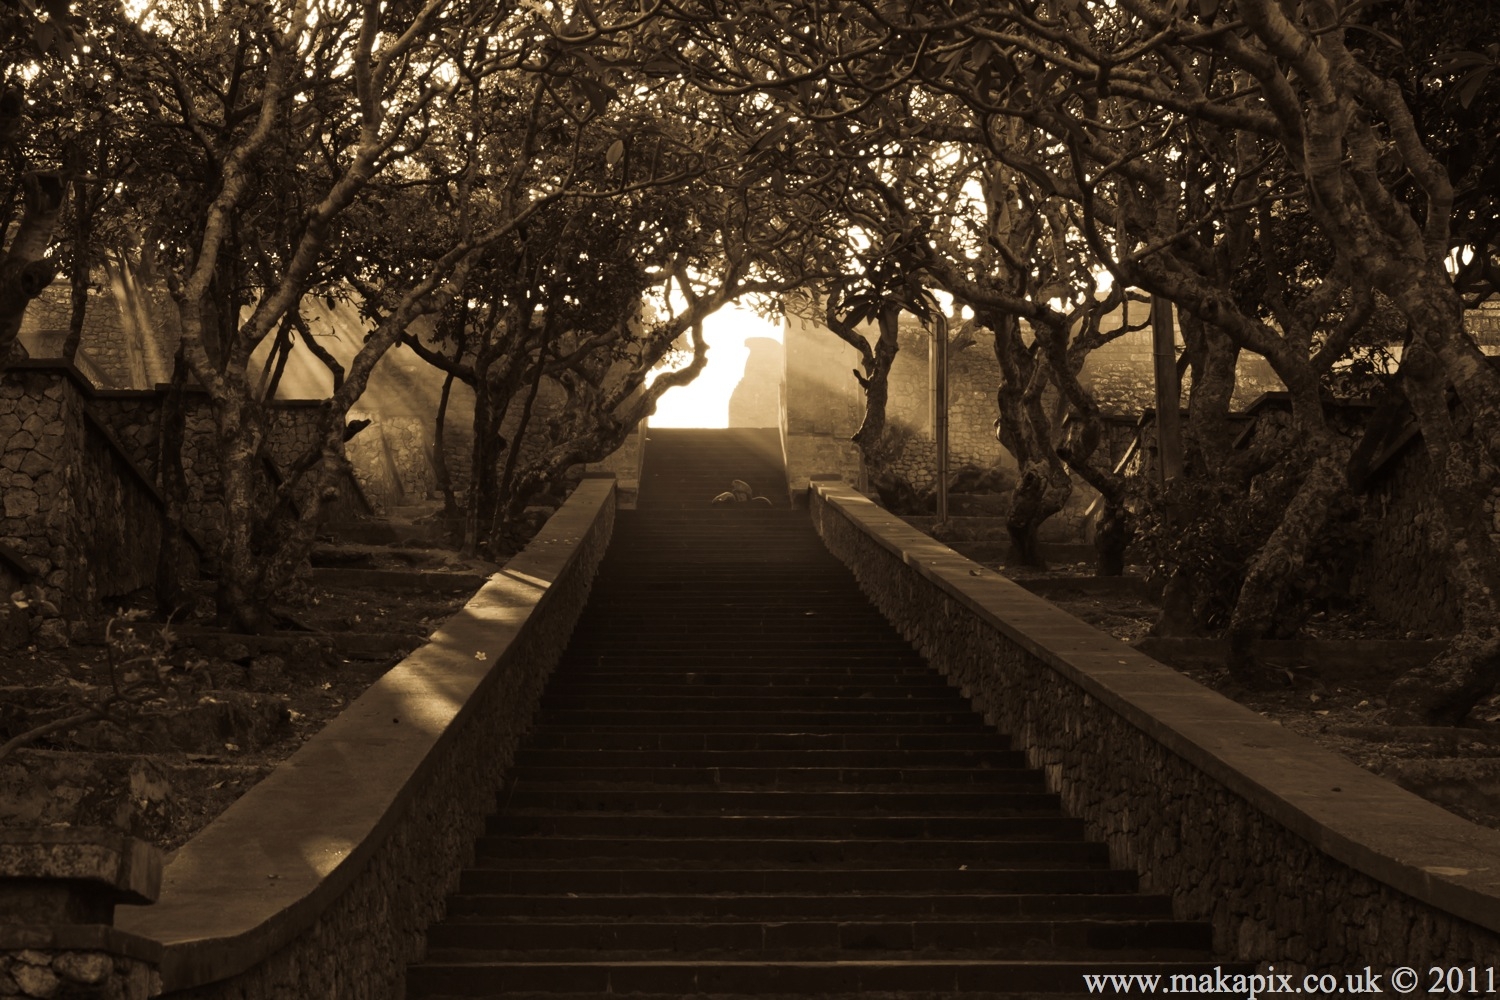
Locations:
(616, 150)
(1462, 59)
(1472, 84)
(597, 93)
(772, 138)
(1208, 8)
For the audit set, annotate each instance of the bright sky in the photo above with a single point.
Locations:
(705, 403)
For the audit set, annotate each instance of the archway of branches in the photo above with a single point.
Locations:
(544, 200)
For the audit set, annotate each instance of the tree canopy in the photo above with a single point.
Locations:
(1300, 181)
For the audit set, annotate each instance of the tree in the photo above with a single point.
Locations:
(43, 90)
(293, 119)
(1116, 92)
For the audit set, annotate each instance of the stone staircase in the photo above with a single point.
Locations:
(743, 782)
(685, 468)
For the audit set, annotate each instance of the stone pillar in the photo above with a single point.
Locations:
(58, 892)
(822, 405)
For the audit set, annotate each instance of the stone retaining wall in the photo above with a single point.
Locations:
(1298, 857)
(79, 496)
(83, 519)
(321, 880)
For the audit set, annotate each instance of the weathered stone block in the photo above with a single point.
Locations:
(52, 634)
(35, 980)
(34, 463)
(88, 967)
(21, 501)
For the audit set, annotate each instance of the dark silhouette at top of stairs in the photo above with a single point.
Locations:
(744, 782)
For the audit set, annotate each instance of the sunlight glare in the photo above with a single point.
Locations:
(705, 402)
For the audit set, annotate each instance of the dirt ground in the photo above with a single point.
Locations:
(233, 708)
(1458, 768)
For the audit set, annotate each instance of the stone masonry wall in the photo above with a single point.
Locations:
(1122, 378)
(41, 469)
(821, 404)
(78, 479)
(114, 348)
(34, 974)
(119, 516)
(973, 374)
(1267, 891)
(134, 420)
(86, 521)
(392, 458)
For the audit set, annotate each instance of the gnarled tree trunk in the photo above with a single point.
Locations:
(1043, 486)
(25, 270)
(1466, 482)
(1283, 556)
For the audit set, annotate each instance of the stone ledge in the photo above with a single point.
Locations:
(440, 581)
(265, 871)
(125, 869)
(1349, 814)
(79, 937)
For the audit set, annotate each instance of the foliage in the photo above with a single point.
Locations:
(136, 683)
(1207, 530)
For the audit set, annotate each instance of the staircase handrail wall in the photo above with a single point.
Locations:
(321, 880)
(1298, 857)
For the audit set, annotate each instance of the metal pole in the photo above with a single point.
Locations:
(940, 412)
(1168, 390)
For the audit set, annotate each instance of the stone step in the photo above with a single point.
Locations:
(970, 761)
(957, 977)
(1044, 876)
(729, 658)
(722, 660)
(616, 685)
(758, 646)
(528, 799)
(730, 627)
(788, 725)
(796, 827)
(751, 740)
(717, 701)
(805, 778)
(961, 856)
(1091, 902)
(837, 854)
(994, 937)
(676, 679)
